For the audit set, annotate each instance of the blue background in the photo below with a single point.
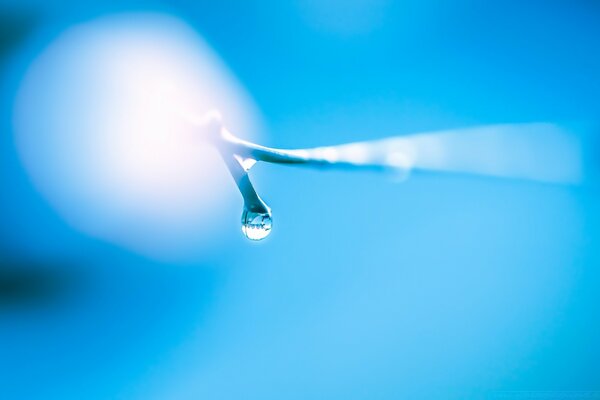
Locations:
(441, 287)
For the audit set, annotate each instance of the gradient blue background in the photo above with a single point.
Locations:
(443, 287)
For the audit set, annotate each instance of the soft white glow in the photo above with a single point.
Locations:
(538, 151)
(535, 151)
(102, 122)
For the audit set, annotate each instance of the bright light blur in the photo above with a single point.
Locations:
(100, 124)
(536, 152)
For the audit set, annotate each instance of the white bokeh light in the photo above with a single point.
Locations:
(99, 127)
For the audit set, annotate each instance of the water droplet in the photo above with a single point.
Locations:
(256, 225)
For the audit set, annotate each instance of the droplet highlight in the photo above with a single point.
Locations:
(256, 225)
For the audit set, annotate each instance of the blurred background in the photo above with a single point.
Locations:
(123, 271)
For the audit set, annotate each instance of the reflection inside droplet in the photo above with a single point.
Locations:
(256, 225)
